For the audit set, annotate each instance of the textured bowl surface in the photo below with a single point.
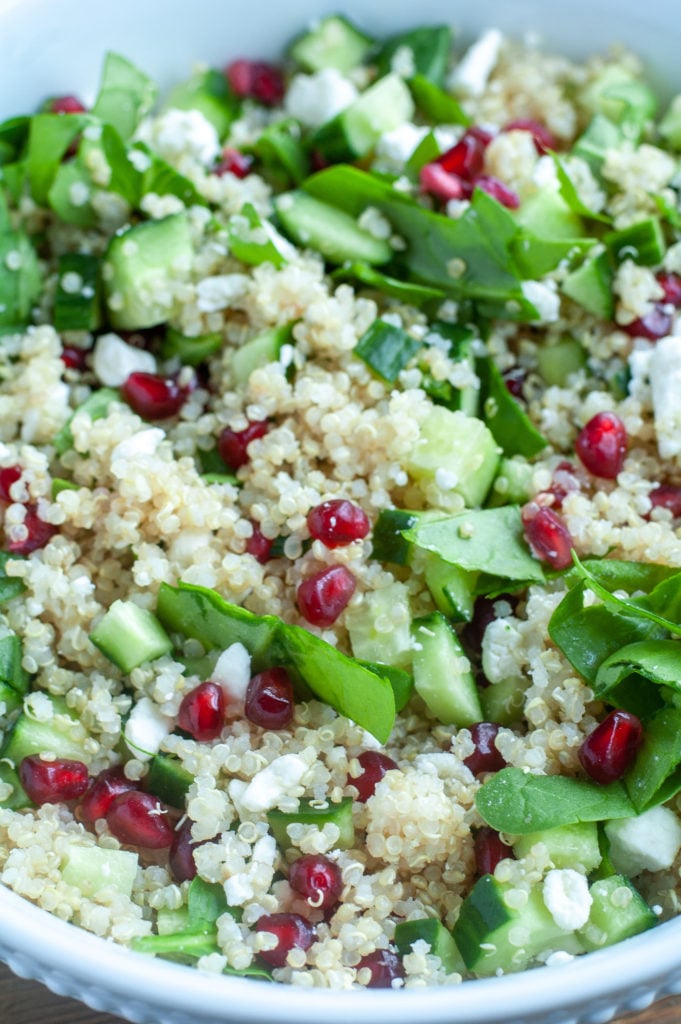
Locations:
(48, 48)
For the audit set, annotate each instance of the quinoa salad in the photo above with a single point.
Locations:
(340, 491)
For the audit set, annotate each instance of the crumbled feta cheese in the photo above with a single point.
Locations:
(395, 147)
(473, 70)
(649, 842)
(502, 645)
(146, 728)
(665, 382)
(114, 360)
(545, 299)
(233, 673)
(220, 292)
(144, 442)
(266, 789)
(567, 898)
(637, 288)
(315, 99)
(178, 133)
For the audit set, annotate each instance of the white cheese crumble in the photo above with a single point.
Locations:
(567, 898)
(144, 442)
(220, 292)
(315, 99)
(545, 299)
(471, 74)
(178, 133)
(146, 728)
(395, 147)
(649, 842)
(114, 360)
(233, 673)
(267, 788)
(665, 382)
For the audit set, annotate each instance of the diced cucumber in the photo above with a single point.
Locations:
(76, 306)
(388, 544)
(590, 286)
(557, 362)
(380, 627)
(170, 922)
(96, 406)
(451, 588)
(354, 132)
(169, 780)
(426, 51)
(334, 42)
(259, 351)
(191, 351)
(600, 136)
(254, 240)
(62, 735)
(129, 635)
(10, 700)
(94, 868)
(386, 349)
(618, 911)
(18, 798)
(512, 484)
(439, 938)
(642, 242)
(569, 846)
(442, 672)
(11, 671)
(20, 278)
(458, 454)
(280, 149)
(208, 93)
(125, 95)
(547, 215)
(504, 702)
(493, 936)
(141, 265)
(331, 232)
(622, 98)
(307, 814)
(72, 181)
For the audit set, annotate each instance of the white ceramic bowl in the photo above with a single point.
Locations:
(49, 47)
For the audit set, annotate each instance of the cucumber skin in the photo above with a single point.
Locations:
(333, 233)
(340, 814)
(449, 692)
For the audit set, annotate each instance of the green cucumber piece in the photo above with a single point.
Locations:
(600, 136)
(129, 635)
(642, 242)
(335, 234)
(18, 798)
(439, 938)
(513, 483)
(504, 702)
(569, 846)
(334, 42)
(11, 671)
(94, 868)
(20, 279)
(76, 306)
(387, 541)
(386, 349)
(169, 780)
(191, 351)
(618, 911)
(355, 131)
(62, 735)
(380, 627)
(259, 351)
(9, 699)
(254, 240)
(557, 362)
(308, 814)
(590, 286)
(547, 215)
(452, 588)
(442, 672)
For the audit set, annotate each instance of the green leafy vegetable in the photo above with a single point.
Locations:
(513, 429)
(125, 95)
(571, 196)
(657, 760)
(96, 406)
(254, 240)
(10, 586)
(630, 608)
(49, 137)
(386, 349)
(436, 104)
(656, 660)
(20, 279)
(427, 50)
(405, 291)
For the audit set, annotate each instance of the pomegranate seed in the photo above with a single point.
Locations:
(485, 757)
(374, 766)
(466, 157)
(258, 545)
(153, 397)
(292, 932)
(438, 182)
(654, 325)
(269, 699)
(547, 535)
(74, 358)
(564, 482)
(181, 853)
(385, 968)
(483, 613)
(602, 445)
(139, 819)
(543, 138)
(489, 850)
(671, 285)
(667, 496)
(202, 712)
(497, 190)
(66, 105)
(514, 380)
(234, 162)
(318, 879)
(610, 749)
(256, 80)
(233, 444)
(50, 782)
(483, 135)
(105, 788)
(8, 476)
(337, 522)
(322, 597)
(39, 533)
(318, 161)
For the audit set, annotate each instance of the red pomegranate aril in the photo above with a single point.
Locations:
(337, 522)
(181, 853)
(602, 445)
(667, 496)
(39, 533)
(485, 757)
(466, 157)
(139, 819)
(497, 190)
(514, 379)
(74, 358)
(671, 286)
(374, 766)
(259, 546)
(66, 105)
(547, 535)
(202, 712)
(489, 850)
(543, 137)
(269, 699)
(653, 325)
(234, 162)
(564, 481)
(257, 80)
(483, 135)
(385, 967)
(438, 182)
(8, 476)
(109, 784)
(233, 444)
(316, 878)
(607, 752)
(292, 932)
(153, 397)
(51, 782)
(322, 597)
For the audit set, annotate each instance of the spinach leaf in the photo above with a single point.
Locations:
(10, 586)
(435, 104)
(624, 607)
(658, 758)
(206, 902)
(49, 137)
(20, 279)
(429, 49)
(656, 660)
(616, 574)
(490, 540)
(512, 428)
(516, 802)
(571, 196)
(411, 292)
(254, 240)
(125, 95)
